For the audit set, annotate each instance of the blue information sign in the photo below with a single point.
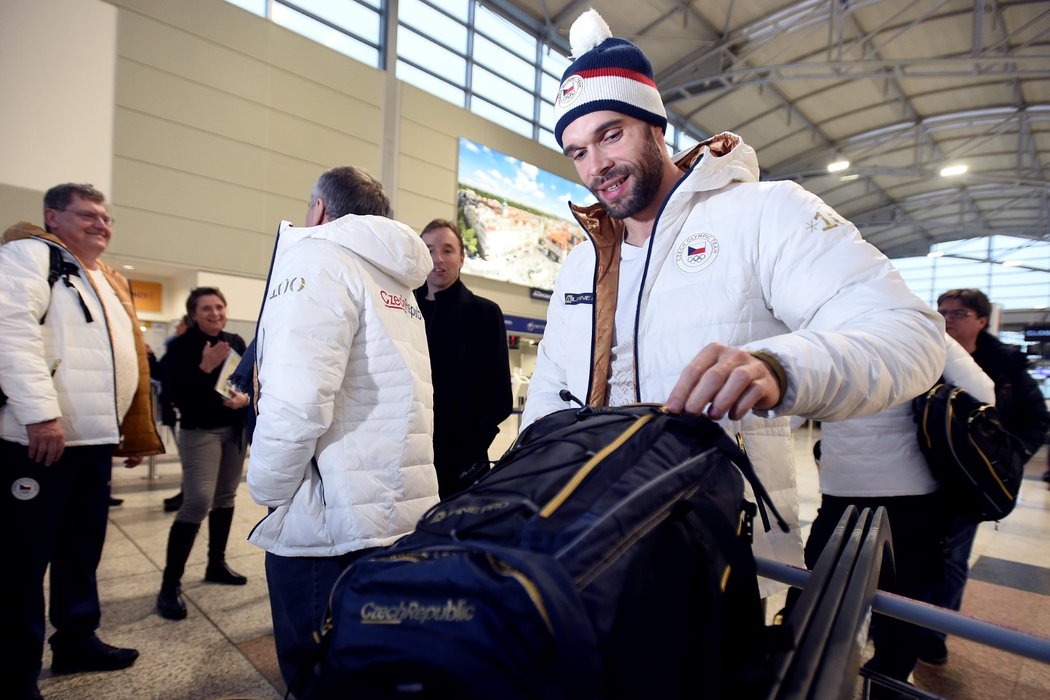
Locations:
(520, 324)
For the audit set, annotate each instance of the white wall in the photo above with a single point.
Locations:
(57, 80)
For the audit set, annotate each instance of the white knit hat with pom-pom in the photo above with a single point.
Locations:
(606, 74)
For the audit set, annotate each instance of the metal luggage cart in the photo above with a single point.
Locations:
(828, 626)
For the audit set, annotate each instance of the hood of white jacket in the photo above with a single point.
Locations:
(390, 245)
(724, 158)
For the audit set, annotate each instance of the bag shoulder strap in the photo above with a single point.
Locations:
(59, 267)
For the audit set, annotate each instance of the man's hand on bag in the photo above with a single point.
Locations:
(47, 441)
(731, 380)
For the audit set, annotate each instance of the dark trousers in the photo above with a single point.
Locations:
(917, 524)
(948, 591)
(299, 591)
(53, 515)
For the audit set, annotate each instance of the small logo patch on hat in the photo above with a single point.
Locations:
(570, 90)
(25, 488)
(696, 252)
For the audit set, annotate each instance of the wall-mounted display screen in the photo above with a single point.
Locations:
(515, 217)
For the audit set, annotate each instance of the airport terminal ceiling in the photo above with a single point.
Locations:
(898, 89)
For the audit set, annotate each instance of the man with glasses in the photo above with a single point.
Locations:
(1023, 412)
(76, 380)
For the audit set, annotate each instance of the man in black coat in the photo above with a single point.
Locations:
(469, 363)
(1020, 406)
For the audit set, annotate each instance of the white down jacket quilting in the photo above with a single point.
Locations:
(74, 379)
(343, 448)
(768, 267)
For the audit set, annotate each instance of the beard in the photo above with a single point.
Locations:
(644, 176)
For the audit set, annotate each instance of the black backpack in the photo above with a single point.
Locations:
(607, 554)
(974, 458)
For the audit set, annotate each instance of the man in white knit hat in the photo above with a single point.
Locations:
(711, 292)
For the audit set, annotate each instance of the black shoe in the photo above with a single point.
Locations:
(94, 655)
(220, 573)
(174, 503)
(170, 604)
(115, 501)
(934, 652)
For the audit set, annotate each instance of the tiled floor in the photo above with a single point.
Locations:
(224, 649)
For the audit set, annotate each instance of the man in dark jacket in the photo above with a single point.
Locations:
(469, 362)
(1022, 410)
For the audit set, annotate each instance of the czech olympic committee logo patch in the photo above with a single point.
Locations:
(570, 90)
(696, 252)
(25, 488)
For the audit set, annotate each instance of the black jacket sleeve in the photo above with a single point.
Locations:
(1026, 415)
(497, 398)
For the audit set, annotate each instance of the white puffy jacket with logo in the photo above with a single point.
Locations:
(63, 368)
(344, 377)
(767, 267)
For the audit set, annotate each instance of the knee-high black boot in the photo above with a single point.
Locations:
(219, 521)
(170, 604)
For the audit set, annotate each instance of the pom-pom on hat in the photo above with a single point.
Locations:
(607, 74)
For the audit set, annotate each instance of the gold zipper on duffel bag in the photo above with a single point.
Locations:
(581, 474)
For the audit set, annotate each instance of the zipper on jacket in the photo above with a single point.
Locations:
(320, 479)
(645, 274)
(581, 474)
(112, 351)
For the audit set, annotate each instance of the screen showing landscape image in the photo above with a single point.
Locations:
(515, 217)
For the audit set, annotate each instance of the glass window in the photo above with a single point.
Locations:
(500, 92)
(354, 17)
(460, 9)
(547, 116)
(686, 142)
(502, 117)
(508, 65)
(548, 140)
(255, 6)
(548, 88)
(323, 34)
(435, 86)
(1014, 287)
(427, 55)
(554, 63)
(505, 34)
(440, 28)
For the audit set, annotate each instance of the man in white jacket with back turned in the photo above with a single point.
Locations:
(342, 451)
(711, 292)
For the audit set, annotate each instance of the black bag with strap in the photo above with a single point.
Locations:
(607, 554)
(976, 460)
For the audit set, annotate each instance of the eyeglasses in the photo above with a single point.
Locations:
(956, 313)
(91, 217)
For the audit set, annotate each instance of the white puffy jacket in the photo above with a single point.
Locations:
(344, 377)
(878, 455)
(62, 368)
(765, 266)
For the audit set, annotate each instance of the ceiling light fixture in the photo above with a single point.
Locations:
(129, 267)
(849, 178)
(838, 166)
(951, 170)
